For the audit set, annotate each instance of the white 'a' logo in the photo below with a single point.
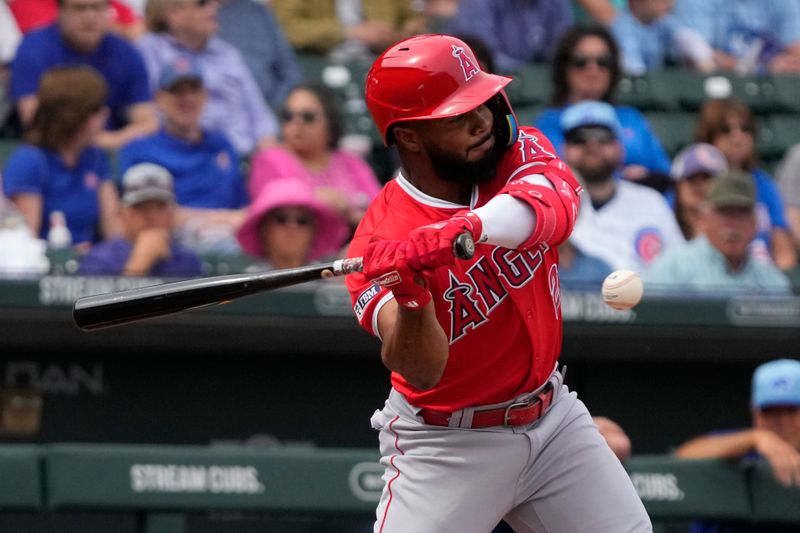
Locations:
(467, 66)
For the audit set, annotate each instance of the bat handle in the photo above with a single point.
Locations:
(348, 266)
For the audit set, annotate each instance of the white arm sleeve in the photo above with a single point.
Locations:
(507, 221)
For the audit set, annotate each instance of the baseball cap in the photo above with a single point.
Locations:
(182, 68)
(697, 158)
(591, 113)
(732, 189)
(777, 383)
(147, 181)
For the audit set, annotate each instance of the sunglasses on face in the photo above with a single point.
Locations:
(727, 129)
(307, 117)
(580, 62)
(283, 218)
(584, 135)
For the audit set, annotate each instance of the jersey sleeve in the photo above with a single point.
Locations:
(366, 297)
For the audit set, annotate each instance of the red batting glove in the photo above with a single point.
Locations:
(385, 263)
(431, 246)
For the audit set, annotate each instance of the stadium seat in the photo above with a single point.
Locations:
(675, 129)
(526, 115)
(531, 86)
(6, 147)
(776, 134)
(650, 92)
(763, 94)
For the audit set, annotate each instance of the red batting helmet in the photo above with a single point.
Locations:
(434, 76)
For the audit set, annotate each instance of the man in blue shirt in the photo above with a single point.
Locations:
(147, 246)
(773, 437)
(517, 31)
(209, 185)
(82, 35)
(747, 35)
(253, 29)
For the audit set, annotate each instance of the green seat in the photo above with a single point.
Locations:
(762, 94)
(776, 134)
(648, 92)
(6, 147)
(526, 115)
(674, 129)
(530, 86)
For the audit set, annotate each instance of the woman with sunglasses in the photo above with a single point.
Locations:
(287, 226)
(729, 125)
(586, 67)
(311, 127)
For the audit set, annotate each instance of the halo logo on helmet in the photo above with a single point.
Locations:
(418, 79)
(467, 66)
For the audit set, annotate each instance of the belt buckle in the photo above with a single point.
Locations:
(507, 413)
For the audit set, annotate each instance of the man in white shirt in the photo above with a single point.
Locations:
(625, 224)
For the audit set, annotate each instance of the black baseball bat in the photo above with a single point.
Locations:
(123, 307)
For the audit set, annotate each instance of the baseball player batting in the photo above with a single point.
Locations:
(479, 425)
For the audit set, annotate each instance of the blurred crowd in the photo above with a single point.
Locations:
(147, 136)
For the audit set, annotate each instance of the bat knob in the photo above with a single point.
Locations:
(464, 246)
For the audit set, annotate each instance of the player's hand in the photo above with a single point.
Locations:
(431, 246)
(386, 263)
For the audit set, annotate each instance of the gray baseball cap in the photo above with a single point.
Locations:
(147, 181)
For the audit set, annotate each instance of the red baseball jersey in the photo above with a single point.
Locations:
(501, 309)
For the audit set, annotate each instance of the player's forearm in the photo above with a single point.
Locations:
(730, 445)
(416, 347)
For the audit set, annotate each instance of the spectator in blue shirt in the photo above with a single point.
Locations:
(82, 36)
(147, 246)
(774, 437)
(236, 107)
(586, 67)
(650, 36)
(253, 29)
(58, 168)
(748, 36)
(729, 125)
(209, 184)
(517, 32)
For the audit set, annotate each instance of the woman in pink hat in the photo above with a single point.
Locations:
(311, 127)
(289, 226)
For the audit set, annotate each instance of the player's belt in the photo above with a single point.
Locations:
(515, 414)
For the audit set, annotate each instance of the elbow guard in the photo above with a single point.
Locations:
(556, 208)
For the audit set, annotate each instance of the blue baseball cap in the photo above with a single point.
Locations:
(591, 113)
(182, 68)
(777, 383)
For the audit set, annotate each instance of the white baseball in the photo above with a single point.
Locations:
(622, 289)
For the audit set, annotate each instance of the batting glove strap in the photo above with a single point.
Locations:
(414, 303)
